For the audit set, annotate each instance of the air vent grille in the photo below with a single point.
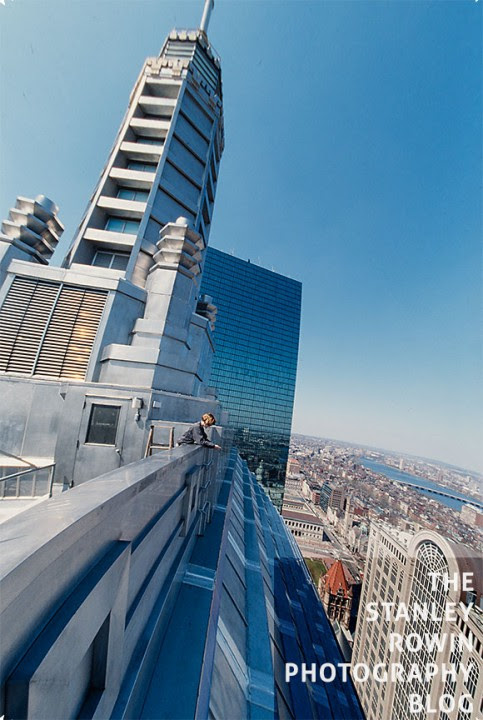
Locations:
(49, 328)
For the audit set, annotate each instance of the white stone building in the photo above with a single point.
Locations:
(303, 525)
(398, 571)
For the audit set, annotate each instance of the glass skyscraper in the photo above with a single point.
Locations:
(255, 363)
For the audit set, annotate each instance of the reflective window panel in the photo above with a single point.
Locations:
(255, 364)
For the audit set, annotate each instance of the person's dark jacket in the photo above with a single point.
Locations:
(196, 435)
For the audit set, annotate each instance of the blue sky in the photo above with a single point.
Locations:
(352, 162)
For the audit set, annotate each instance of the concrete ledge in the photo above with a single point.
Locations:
(79, 274)
(84, 639)
(131, 353)
(62, 515)
(99, 553)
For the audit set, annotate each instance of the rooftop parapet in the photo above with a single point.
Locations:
(88, 572)
(167, 588)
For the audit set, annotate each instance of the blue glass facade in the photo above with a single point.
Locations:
(255, 363)
(245, 608)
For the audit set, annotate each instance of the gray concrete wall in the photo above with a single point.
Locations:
(85, 573)
(47, 421)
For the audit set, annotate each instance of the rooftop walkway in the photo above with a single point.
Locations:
(169, 588)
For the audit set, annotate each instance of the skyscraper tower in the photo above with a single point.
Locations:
(255, 365)
(119, 324)
(399, 570)
(163, 166)
(164, 162)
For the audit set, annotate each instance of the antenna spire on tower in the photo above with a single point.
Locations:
(209, 5)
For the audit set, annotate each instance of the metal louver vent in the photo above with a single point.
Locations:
(48, 328)
(68, 342)
(23, 318)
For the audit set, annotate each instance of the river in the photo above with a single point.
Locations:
(403, 477)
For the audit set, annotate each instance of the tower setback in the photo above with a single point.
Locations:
(117, 324)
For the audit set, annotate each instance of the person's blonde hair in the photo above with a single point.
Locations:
(209, 418)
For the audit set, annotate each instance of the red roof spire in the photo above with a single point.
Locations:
(336, 579)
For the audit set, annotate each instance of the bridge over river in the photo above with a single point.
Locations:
(421, 484)
(443, 493)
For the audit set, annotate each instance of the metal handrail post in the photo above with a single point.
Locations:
(148, 450)
(51, 479)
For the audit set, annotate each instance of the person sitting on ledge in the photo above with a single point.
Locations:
(196, 433)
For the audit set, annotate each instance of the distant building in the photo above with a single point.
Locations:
(332, 496)
(333, 516)
(338, 595)
(255, 363)
(325, 495)
(348, 516)
(292, 485)
(304, 526)
(293, 466)
(471, 516)
(315, 496)
(357, 539)
(398, 570)
(307, 488)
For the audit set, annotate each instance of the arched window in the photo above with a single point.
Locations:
(472, 677)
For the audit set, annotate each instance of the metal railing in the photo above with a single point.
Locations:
(34, 482)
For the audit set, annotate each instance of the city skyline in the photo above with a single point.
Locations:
(389, 451)
(366, 168)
